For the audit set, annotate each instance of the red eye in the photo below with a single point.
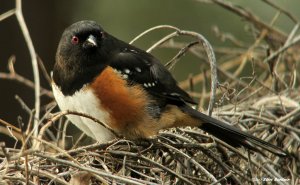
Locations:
(75, 40)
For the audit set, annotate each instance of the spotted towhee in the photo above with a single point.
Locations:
(128, 90)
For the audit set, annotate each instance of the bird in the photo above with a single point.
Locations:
(128, 90)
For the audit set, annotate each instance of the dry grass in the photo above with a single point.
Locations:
(260, 95)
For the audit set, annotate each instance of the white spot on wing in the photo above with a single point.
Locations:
(174, 94)
(117, 71)
(85, 101)
(147, 62)
(149, 84)
(125, 76)
(138, 69)
(127, 71)
(133, 51)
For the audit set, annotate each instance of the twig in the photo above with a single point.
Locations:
(7, 14)
(207, 47)
(56, 148)
(17, 179)
(21, 154)
(275, 34)
(223, 178)
(64, 113)
(88, 147)
(24, 81)
(210, 54)
(88, 169)
(282, 49)
(124, 153)
(262, 119)
(44, 70)
(6, 124)
(291, 16)
(23, 104)
(13, 75)
(2, 146)
(208, 174)
(182, 51)
(34, 63)
(152, 29)
(40, 172)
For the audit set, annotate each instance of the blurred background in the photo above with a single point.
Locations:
(46, 21)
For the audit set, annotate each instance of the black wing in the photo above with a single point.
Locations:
(144, 69)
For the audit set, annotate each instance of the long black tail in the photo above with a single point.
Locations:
(230, 134)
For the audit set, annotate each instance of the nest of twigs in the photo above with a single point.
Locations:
(178, 156)
(260, 96)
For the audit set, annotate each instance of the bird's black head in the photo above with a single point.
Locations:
(80, 55)
(82, 40)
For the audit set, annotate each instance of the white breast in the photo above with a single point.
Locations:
(85, 101)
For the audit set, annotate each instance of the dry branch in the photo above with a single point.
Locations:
(177, 156)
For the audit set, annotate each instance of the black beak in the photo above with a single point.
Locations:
(90, 42)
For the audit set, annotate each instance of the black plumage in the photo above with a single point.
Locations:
(80, 63)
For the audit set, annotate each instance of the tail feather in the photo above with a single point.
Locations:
(230, 134)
